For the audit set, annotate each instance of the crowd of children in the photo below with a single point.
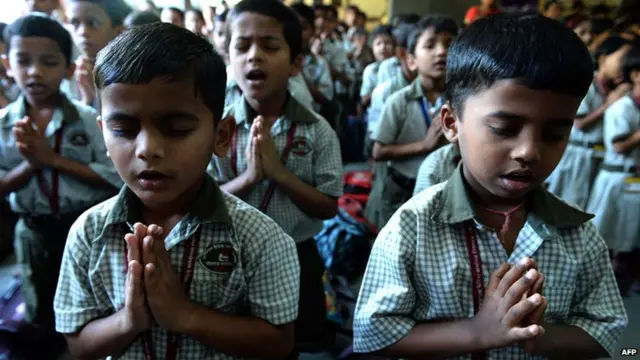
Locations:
(163, 174)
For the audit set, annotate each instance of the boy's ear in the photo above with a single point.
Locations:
(224, 133)
(71, 69)
(412, 63)
(449, 123)
(401, 52)
(5, 64)
(100, 122)
(296, 66)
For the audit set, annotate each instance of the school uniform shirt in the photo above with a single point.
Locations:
(369, 79)
(389, 69)
(437, 167)
(315, 159)
(403, 122)
(336, 56)
(81, 141)
(297, 87)
(11, 91)
(576, 172)
(245, 266)
(379, 97)
(616, 198)
(316, 70)
(419, 270)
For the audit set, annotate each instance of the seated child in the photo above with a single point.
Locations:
(383, 48)
(171, 268)
(172, 15)
(489, 263)
(284, 159)
(574, 176)
(616, 192)
(53, 163)
(315, 69)
(437, 167)
(139, 18)
(93, 23)
(406, 133)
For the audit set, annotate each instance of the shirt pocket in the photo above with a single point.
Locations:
(225, 292)
(300, 160)
(559, 303)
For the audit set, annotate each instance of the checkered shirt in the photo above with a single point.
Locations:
(320, 166)
(419, 269)
(437, 167)
(264, 282)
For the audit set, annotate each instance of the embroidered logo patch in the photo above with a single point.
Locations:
(301, 146)
(220, 258)
(79, 138)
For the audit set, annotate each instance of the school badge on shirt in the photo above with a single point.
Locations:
(220, 258)
(301, 146)
(79, 138)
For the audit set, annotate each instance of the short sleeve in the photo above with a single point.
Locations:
(272, 271)
(617, 117)
(426, 173)
(368, 80)
(75, 304)
(597, 307)
(387, 297)
(390, 120)
(327, 161)
(587, 105)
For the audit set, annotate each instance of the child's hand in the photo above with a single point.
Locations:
(137, 312)
(503, 309)
(535, 317)
(271, 164)
(254, 171)
(165, 295)
(32, 143)
(84, 79)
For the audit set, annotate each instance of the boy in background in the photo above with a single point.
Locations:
(172, 15)
(53, 162)
(452, 274)
(93, 23)
(172, 268)
(284, 158)
(383, 47)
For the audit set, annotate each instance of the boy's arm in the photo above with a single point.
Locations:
(585, 122)
(273, 284)
(317, 200)
(624, 145)
(16, 178)
(89, 334)
(598, 315)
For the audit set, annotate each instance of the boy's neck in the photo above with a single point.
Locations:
(408, 74)
(167, 215)
(432, 88)
(270, 109)
(635, 92)
(41, 113)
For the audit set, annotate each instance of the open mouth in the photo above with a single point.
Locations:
(256, 75)
(151, 175)
(36, 87)
(152, 180)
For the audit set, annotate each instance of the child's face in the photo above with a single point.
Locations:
(583, 30)
(38, 66)
(91, 27)
(307, 33)
(220, 37)
(554, 11)
(431, 54)
(45, 6)
(382, 47)
(260, 56)
(611, 65)
(162, 127)
(194, 23)
(171, 17)
(511, 138)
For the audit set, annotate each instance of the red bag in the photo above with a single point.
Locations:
(357, 186)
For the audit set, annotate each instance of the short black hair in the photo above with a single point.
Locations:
(601, 25)
(631, 61)
(117, 10)
(401, 34)
(610, 45)
(537, 52)
(175, 10)
(40, 25)
(163, 51)
(382, 30)
(304, 12)
(275, 10)
(332, 10)
(138, 18)
(440, 24)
